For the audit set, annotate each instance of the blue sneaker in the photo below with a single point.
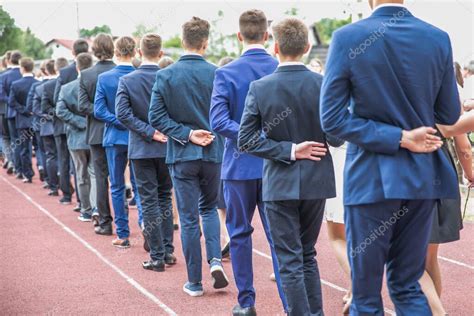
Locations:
(219, 279)
(193, 289)
(85, 217)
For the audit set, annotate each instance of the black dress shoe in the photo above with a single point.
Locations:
(155, 265)
(53, 193)
(106, 231)
(170, 259)
(226, 251)
(45, 185)
(244, 311)
(27, 180)
(77, 208)
(5, 164)
(19, 176)
(10, 170)
(41, 175)
(145, 243)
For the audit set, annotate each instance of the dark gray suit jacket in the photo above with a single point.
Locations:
(87, 87)
(285, 106)
(48, 106)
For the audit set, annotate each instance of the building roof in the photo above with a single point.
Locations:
(68, 43)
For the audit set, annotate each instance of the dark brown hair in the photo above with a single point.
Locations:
(150, 45)
(103, 46)
(80, 46)
(125, 46)
(459, 78)
(84, 61)
(27, 64)
(195, 32)
(253, 25)
(50, 67)
(15, 57)
(291, 34)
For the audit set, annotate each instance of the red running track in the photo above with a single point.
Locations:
(53, 264)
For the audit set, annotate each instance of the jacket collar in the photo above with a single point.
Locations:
(396, 11)
(149, 66)
(291, 68)
(255, 51)
(191, 57)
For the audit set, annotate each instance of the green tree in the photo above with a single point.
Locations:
(12, 37)
(173, 42)
(327, 26)
(221, 45)
(10, 34)
(34, 47)
(141, 29)
(88, 33)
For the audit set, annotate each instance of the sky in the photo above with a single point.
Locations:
(62, 18)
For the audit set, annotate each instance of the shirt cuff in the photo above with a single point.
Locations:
(293, 152)
(190, 133)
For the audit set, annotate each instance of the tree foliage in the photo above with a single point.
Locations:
(327, 26)
(12, 37)
(142, 29)
(88, 33)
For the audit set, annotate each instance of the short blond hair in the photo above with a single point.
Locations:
(150, 45)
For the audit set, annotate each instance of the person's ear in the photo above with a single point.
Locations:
(265, 36)
(160, 54)
(308, 46)
(276, 49)
(140, 52)
(240, 37)
(183, 44)
(204, 45)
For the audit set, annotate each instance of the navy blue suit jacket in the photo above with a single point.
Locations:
(18, 100)
(48, 107)
(132, 106)
(66, 75)
(231, 85)
(396, 72)
(3, 96)
(180, 102)
(42, 121)
(7, 79)
(289, 100)
(115, 133)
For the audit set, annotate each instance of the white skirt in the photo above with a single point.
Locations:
(335, 206)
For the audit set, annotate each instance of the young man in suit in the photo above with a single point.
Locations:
(193, 153)
(18, 96)
(66, 110)
(241, 172)
(6, 144)
(147, 151)
(281, 124)
(44, 124)
(115, 139)
(103, 50)
(40, 155)
(389, 187)
(7, 79)
(51, 126)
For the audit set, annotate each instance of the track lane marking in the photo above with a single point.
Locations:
(127, 278)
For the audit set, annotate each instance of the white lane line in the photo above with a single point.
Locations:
(129, 279)
(324, 282)
(459, 263)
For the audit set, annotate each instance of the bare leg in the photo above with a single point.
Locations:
(175, 210)
(432, 267)
(428, 288)
(337, 238)
(224, 233)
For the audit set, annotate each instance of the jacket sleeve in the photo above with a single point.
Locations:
(46, 106)
(219, 115)
(65, 114)
(3, 92)
(251, 139)
(57, 88)
(124, 112)
(446, 107)
(101, 112)
(159, 118)
(336, 119)
(84, 106)
(30, 98)
(12, 100)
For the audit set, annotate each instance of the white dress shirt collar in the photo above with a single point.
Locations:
(252, 46)
(148, 63)
(14, 66)
(125, 63)
(290, 63)
(399, 5)
(186, 53)
(29, 74)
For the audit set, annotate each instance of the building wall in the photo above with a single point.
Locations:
(60, 51)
